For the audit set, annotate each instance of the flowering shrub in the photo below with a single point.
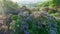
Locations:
(45, 24)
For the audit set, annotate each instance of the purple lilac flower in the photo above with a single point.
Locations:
(39, 27)
(53, 32)
(24, 26)
(26, 32)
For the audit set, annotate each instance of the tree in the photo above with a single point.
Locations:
(10, 7)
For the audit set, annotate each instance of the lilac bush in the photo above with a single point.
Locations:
(43, 24)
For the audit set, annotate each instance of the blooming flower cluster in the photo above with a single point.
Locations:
(39, 25)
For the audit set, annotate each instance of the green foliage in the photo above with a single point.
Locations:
(14, 17)
(43, 4)
(52, 11)
(15, 24)
(10, 7)
(58, 28)
(54, 3)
